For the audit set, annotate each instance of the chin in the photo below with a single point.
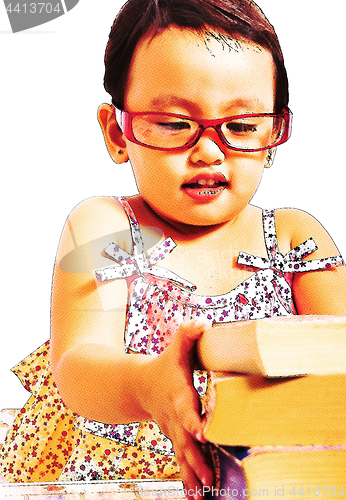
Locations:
(205, 217)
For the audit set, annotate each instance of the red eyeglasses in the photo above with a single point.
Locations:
(172, 132)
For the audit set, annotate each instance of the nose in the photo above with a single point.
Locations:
(208, 150)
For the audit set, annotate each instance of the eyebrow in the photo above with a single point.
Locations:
(161, 102)
(252, 103)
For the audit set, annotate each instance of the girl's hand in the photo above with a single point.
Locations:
(173, 403)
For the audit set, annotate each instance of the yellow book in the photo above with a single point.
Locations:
(277, 347)
(256, 411)
(295, 474)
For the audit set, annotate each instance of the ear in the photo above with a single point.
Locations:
(114, 138)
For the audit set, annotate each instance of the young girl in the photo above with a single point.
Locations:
(202, 94)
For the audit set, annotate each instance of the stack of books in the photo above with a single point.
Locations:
(291, 412)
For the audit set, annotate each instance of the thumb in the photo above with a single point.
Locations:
(191, 330)
(185, 341)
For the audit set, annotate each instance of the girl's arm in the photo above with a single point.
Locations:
(85, 335)
(315, 292)
(94, 375)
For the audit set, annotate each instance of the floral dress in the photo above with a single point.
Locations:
(48, 442)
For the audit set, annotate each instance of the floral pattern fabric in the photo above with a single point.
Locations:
(48, 442)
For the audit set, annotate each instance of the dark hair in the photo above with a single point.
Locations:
(242, 18)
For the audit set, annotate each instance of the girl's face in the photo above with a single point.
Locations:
(179, 71)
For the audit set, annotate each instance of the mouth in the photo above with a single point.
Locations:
(205, 187)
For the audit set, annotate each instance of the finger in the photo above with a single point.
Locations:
(197, 460)
(194, 425)
(190, 452)
(193, 487)
(186, 408)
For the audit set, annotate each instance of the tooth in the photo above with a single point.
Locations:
(202, 182)
(210, 182)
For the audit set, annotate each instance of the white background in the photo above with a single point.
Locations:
(53, 156)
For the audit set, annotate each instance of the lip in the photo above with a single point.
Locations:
(214, 176)
(205, 193)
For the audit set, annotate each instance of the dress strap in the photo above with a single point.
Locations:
(291, 262)
(137, 264)
(270, 238)
(138, 246)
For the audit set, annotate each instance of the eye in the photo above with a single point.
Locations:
(174, 126)
(241, 127)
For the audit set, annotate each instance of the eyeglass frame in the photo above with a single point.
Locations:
(127, 117)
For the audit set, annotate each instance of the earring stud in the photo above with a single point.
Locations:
(270, 158)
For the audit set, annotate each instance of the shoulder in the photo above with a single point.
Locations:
(313, 292)
(98, 216)
(95, 219)
(295, 226)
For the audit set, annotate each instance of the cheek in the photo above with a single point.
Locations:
(155, 164)
(152, 169)
(250, 170)
(139, 157)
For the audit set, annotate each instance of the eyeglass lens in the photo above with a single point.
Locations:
(252, 132)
